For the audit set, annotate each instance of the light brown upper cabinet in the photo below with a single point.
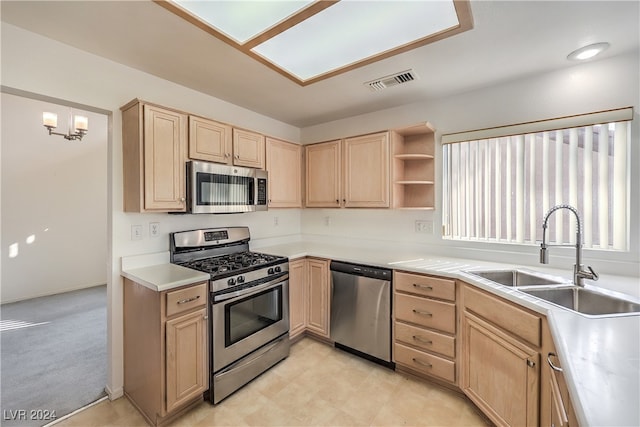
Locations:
(351, 173)
(248, 149)
(209, 141)
(284, 164)
(154, 145)
(413, 167)
(212, 141)
(323, 170)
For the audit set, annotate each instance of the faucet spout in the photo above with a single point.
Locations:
(579, 273)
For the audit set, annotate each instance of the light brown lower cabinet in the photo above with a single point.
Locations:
(500, 374)
(297, 297)
(555, 407)
(309, 297)
(425, 325)
(165, 349)
(318, 308)
(500, 369)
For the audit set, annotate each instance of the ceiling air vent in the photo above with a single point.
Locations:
(392, 80)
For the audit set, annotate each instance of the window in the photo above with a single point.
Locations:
(499, 183)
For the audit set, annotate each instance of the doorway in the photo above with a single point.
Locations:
(53, 267)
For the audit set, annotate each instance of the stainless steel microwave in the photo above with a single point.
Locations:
(216, 188)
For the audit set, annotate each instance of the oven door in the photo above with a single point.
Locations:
(245, 322)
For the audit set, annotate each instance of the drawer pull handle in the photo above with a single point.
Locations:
(422, 340)
(421, 363)
(186, 300)
(531, 363)
(554, 367)
(422, 313)
(426, 287)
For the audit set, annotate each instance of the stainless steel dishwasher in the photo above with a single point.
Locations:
(361, 310)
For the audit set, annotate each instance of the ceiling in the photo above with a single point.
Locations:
(509, 40)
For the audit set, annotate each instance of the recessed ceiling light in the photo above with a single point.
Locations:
(587, 52)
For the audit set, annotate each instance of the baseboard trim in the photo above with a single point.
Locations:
(114, 394)
(102, 399)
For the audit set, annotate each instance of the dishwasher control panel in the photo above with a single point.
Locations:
(361, 270)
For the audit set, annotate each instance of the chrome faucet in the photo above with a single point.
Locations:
(579, 273)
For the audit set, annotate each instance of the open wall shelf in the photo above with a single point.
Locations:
(413, 151)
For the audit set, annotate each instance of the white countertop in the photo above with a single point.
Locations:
(600, 356)
(162, 277)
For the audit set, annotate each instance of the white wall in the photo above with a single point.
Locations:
(584, 88)
(55, 191)
(40, 65)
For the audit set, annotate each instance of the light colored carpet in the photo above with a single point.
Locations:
(53, 354)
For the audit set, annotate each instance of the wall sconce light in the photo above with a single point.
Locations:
(80, 124)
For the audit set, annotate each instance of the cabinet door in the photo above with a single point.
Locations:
(248, 149)
(186, 364)
(323, 169)
(366, 171)
(209, 141)
(318, 300)
(284, 164)
(297, 297)
(165, 152)
(499, 374)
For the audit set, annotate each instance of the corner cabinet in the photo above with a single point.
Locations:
(413, 167)
(500, 363)
(319, 297)
(350, 173)
(166, 360)
(154, 145)
(284, 165)
(297, 297)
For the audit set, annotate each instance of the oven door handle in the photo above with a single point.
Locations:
(249, 291)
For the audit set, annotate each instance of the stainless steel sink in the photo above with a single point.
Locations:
(517, 278)
(585, 301)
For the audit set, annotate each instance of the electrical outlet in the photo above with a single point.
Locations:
(327, 221)
(424, 226)
(276, 221)
(154, 229)
(136, 232)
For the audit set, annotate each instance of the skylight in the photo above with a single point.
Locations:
(308, 41)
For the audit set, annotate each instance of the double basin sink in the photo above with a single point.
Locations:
(561, 293)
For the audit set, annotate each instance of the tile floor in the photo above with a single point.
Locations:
(316, 385)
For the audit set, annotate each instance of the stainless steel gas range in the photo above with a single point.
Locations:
(248, 304)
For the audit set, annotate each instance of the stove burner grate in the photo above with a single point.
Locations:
(235, 262)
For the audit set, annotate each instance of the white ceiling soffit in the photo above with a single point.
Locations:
(309, 41)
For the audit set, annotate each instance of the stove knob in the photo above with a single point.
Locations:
(231, 282)
(270, 271)
(240, 279)
(278, 269)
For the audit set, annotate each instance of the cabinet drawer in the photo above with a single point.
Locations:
(426, 312)
(424, 362)
(503, 314)
(433, 287)
(425, 339)
(186, 299)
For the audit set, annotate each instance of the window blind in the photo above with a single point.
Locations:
(498, 186)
